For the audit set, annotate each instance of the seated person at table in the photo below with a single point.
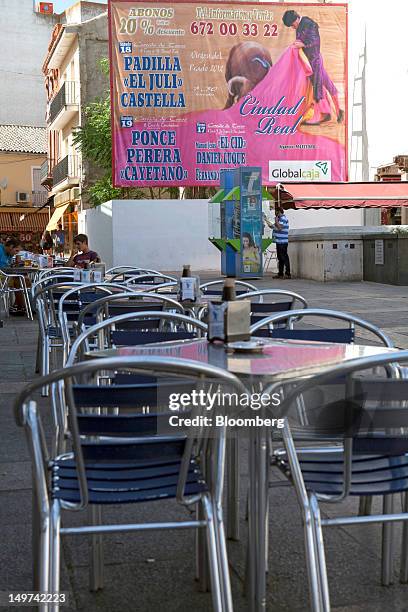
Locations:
(84, 255)
(7, 251)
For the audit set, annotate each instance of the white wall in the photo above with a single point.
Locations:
(324, 217)
(163, 234)
(96, 223)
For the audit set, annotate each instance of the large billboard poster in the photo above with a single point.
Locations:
(199, 87)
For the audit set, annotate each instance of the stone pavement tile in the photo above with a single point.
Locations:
(138, 546)
(16, 561)
(144, 587)
(15, 507)
(14, 387)
(15, 557)
(15, 447)
(16, 475)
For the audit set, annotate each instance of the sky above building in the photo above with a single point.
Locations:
(387, 72)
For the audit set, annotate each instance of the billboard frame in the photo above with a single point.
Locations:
(215, 2)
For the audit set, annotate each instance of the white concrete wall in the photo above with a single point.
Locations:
(324, 217)
(96, 223)
(165, 234)
(162, 234)
(25, 36)
(319, 260)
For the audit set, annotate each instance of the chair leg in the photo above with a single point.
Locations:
(321, 557)
(96, 551)
(27, 301)
(39, 357)
(365, 505)
(201, 554)
(311, 561)
(404, 544)
(55, 560)
(387, 566)
(213, 556)
(233, 482)
(41, 554)
(223, 559)
(45, 363)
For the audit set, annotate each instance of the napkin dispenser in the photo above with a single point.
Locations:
(189, 288)
(237, 320)
(229, 321)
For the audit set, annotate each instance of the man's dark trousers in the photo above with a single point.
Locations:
(283, 258)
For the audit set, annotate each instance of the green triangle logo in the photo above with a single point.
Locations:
(324, 167)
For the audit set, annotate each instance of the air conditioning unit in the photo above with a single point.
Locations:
(45, 8)
(62, 198)
(75, 193)
(22, 197)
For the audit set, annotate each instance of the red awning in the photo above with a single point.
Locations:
(32, 222)
(343, 195)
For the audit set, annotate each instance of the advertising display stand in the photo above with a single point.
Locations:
(236, 222)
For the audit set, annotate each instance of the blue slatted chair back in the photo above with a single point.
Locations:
(134, 337)
(342, 336)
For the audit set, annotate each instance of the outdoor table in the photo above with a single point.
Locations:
(30, 271)
(280, 361)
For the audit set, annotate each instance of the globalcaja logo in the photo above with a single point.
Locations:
(125, 47)
(324, 167)
(300, 170)
(201, 128)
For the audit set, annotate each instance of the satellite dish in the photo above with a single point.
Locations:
(3, 183)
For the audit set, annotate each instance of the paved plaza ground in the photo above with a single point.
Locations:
(149, 572)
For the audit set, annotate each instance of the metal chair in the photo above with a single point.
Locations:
(6, 290)
(51, 279)
(141, 466)
(210, 288)
(55, 271)
(341, 335)
(282, 301)
(371, 420)
(269, 257)
(122, 273)
(152, 281)
(146, 328)
(72, 302)
(51, 335)
(122, 303)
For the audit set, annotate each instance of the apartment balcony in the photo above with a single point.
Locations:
(64, 106)
(46, 172)
(39, 198)
(65, 173)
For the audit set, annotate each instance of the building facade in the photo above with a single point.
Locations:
(22, 152)
(395, 171)
(23, 44)
(72, 80)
